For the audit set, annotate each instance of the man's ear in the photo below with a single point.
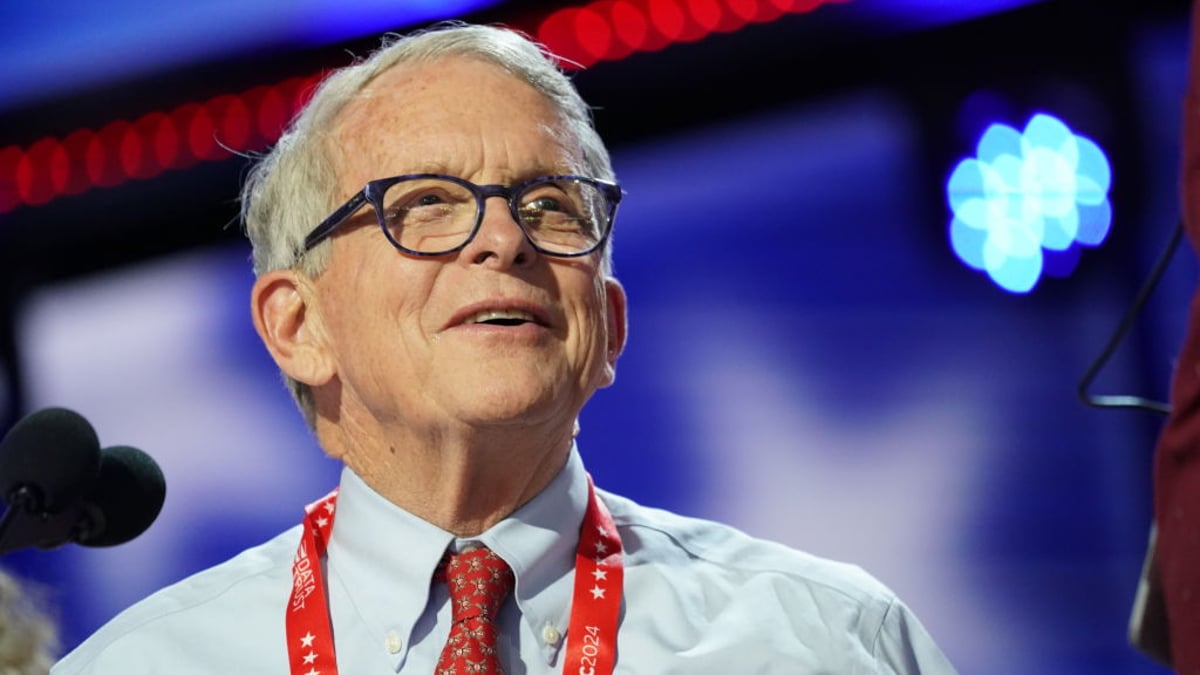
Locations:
(288, 320)
(617, 326)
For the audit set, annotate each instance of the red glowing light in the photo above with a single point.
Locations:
(707, 14)
(273, 115)
(41, 170)
(132, 162)
(111, 170)
(667, 19)
(768, 10)
(629, 26)
(593, 34)
(9, 199)
(232, 122)
(58, 166)
(181, 119)
(23, 180)
(76, 147)
(94, 159)
(200, 134)
(164, 138)
(691, 26)
(740, 13)
(145, 129)
(557, 32)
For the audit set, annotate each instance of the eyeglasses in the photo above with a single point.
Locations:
(429, 214)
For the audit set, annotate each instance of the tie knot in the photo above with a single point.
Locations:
(479, 581)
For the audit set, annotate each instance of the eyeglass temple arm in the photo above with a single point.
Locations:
(335, 219)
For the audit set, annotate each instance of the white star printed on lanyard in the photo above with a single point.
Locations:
(601, 548)
(309, 658)
(597, 592)
(307, 640)
(600, 574)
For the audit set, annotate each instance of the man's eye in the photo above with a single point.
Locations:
(545, 204)
(428, 199)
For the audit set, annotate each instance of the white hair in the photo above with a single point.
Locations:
(28, 638)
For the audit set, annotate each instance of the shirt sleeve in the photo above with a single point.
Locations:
(904, 647)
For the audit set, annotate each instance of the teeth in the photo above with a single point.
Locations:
(500, 315)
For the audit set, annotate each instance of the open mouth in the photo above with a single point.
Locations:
(501, 317)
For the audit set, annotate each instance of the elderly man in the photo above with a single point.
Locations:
(430, 240)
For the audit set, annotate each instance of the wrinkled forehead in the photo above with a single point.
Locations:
(452, 115)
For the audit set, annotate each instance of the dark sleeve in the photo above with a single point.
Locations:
(1176, 469)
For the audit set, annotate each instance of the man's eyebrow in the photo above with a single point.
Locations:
(507, 176)
(431, 166)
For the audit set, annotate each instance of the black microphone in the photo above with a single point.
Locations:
(129, 495)
(48, 460)
(62, 488)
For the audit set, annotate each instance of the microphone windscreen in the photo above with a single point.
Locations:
(128, 497)
(54, 450)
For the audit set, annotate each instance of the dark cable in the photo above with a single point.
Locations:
(1127, 401)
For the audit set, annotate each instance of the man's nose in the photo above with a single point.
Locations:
(500, 239)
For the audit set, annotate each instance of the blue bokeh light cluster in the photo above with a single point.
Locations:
(1024, 193)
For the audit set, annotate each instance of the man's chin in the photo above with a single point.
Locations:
(503, 407)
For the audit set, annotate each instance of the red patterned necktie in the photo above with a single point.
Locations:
(479, 582)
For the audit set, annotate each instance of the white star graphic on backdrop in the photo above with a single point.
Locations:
(599, 574)
(597, 592)
(601, 548)
(307, 640)
(310, 657)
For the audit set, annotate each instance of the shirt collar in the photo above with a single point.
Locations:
(384, 557)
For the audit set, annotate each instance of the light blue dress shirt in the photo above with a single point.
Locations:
(699, 597)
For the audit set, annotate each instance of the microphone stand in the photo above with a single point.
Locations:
(26, 523)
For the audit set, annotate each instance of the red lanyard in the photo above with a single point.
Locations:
(591, 635)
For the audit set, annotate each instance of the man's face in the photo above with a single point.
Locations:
(410, 338)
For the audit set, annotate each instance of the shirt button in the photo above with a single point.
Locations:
(551, 635)
(393, 642)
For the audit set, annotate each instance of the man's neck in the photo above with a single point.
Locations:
(463, 485)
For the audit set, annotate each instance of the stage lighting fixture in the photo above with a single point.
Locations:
(1043, 188)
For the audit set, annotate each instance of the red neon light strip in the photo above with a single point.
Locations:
(158, 141)
(610, 30)
(123, 150)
